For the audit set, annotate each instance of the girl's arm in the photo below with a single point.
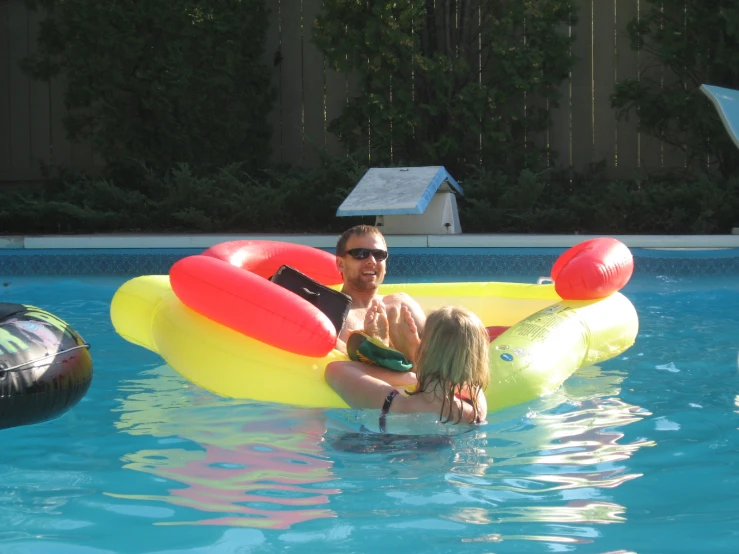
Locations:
(365, 386)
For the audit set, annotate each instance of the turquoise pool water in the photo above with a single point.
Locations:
(638, 455)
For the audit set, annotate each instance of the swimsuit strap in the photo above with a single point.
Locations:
(386, 408)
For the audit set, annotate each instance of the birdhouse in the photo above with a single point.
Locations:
(407, 200)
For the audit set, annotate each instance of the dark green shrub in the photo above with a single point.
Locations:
(313, 196)
(288, 200)
(229, 199)
(495, 203)
(162, 82)
(591, 203)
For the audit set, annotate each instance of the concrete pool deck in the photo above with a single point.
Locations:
(169, 241)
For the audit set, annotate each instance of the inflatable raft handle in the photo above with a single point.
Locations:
(593, 269)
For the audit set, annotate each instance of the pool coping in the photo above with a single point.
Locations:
(174, 241)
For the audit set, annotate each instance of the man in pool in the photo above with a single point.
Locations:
(361, 257)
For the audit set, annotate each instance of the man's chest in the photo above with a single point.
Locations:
(355, 319)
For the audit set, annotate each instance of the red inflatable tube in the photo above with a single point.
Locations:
(252, 305)
(592, 269)
(496, 331)
(265, 257)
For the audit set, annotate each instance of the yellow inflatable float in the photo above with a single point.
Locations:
(220, 323)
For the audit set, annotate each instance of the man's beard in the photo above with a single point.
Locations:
(359, 284)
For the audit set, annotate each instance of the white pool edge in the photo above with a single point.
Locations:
(129, 241)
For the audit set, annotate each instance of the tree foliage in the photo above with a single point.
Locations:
(451, 82)
(161, 82)
(683, 45)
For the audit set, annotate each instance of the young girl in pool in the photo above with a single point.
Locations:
(450, 363)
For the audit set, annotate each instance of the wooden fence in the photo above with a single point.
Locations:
(584, 128)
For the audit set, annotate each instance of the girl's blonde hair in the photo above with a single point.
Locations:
(452, 356)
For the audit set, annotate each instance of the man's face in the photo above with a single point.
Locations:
(364, 274)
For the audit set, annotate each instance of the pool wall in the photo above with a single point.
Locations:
(473, 257)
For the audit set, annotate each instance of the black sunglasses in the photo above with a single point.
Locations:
(364, 253)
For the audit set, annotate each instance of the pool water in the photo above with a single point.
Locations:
(640, 454)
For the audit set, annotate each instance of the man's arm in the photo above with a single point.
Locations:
(364, 386)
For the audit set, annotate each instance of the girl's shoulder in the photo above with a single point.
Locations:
(429, 402)
(410, 402)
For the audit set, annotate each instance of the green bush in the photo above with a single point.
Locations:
(174, 97)
(590, 203)
(695, 43)
(285, 200)
(229, 199)
(421, 97)
(165, 82)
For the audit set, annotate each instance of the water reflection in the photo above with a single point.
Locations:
(247, 464)
(572, 512)
(265, 466)
(553, 463)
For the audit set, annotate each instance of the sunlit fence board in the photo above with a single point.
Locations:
(61, 148)
(314, 78)
(604, 70)
(19, 88)
(560, 121)
(582, 89)
(292, 82)
(335, 101)
(32, 133)
(4, 91)
(40, 111)
(273, 60)
(627, 131)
